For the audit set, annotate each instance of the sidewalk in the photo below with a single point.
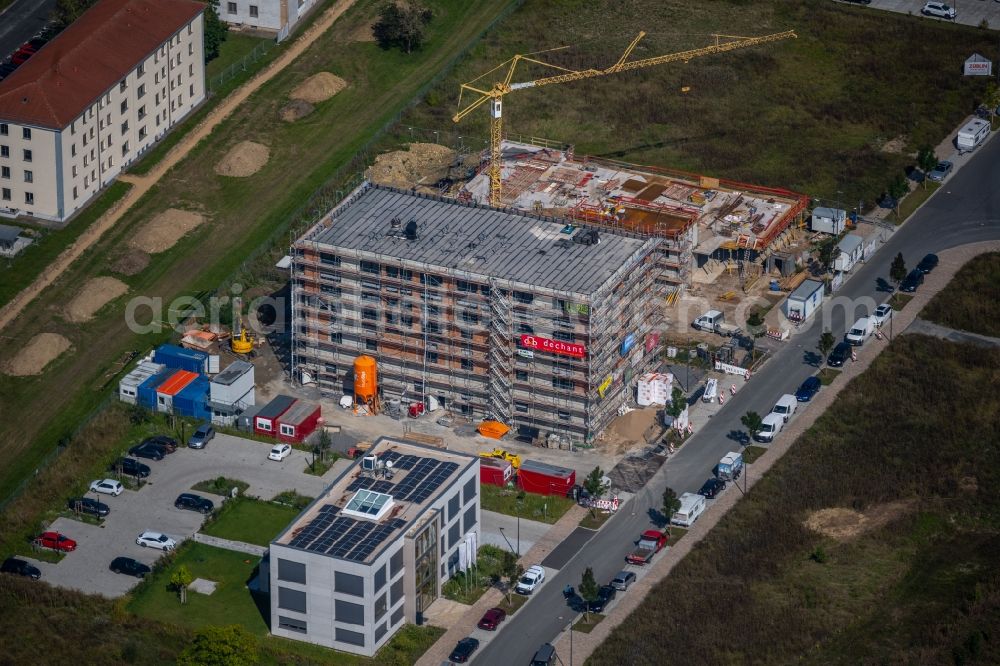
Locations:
(584, 645)
(439, 652)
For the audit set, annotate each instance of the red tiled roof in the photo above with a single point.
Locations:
(94, 53)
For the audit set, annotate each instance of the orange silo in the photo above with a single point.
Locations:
(365, 384)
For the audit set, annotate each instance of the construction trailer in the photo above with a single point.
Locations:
(850, 250)
(180, 358)
(498, 314)
(495, 472)
(828, 220)
(298, 422)
(804, 301)
(544, 479)
(265, 422)
(232, 392)
(128, 386)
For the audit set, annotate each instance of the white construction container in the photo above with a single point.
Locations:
(654, 389)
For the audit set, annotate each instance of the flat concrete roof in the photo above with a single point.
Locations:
(474, 239)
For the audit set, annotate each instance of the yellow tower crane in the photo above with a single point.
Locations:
(494, 94)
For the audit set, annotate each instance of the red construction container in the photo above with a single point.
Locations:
(544, 479)
(298, 422)
(495, 472)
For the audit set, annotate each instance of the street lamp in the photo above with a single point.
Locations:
(506, 539)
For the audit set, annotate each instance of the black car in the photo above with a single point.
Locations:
(912, 281)
(928, 263)
(130, 466)
(463, 650)
(13, 565)
(129, 567)
(89, 506)
(809, 388)
(574, 600)
(839, 355)
(149, 450)
(168, 444)
(193, 502)
(606, 594)
(711, 488)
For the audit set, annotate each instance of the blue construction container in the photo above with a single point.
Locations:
(192, 400)
(179, 358)
(146, 394)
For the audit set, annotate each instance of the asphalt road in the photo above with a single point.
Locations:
(20, 21)
(965, 210)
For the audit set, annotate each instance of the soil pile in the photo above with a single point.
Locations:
(422, 163)
(319, 88)
(163, 231)
(244, 159)
(32, 359)
(94, 295)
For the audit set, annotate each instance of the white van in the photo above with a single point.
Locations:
(860, 332)
(972, 134)
(785, 406)
(770, 426)
(691, 507)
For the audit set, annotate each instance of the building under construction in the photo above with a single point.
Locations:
(699, 218)
(498, 314)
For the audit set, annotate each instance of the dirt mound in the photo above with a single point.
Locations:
(94, 295)
(319, 88)
(244, 159)
(294, 110)
(422, 162)
(130, 262)
(32, 359)
(163, 231)
(839, 523)
(894, 146)
(364, 33)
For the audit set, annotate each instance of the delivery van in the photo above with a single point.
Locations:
(770, 426)
(785, 406)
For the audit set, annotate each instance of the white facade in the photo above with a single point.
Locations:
(52, 173)
(273, 15)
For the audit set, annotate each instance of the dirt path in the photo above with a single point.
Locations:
(142, 184)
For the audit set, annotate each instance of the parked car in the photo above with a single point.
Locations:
(130, 466)
(927, 264)
(168, 444)
(912, 281)
(623, 580)
(279, 452)
(193, 502)
(940, 10)
(808, 389)
(129, 567)
(55, 541)
(107, 487)
(88, 506)
(492, 618)
(882, 314)
(463, 650)
(202, 436)
(940, 172)
(155, 540)
(12, 565)
(839, 355)
(711, 488)
(532, 578)
(148, 450)
(606, 594)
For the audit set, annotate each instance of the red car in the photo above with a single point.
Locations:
(492, 619)
(55, 541)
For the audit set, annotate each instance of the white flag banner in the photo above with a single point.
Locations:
(463, 563)
(470, 542)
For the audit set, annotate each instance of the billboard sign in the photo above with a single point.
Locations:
(977, 65)
(628, 343)
(652, 340)
(554, 346)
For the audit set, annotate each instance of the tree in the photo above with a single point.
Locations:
(401, 25)
(828, 252)
(510, 570)
(67, 11)
(179, 580)
(215, 31)
(897, 271)
(594, 483)
(991, 98)
(220, 646)
(826, 343)
(898, 188)
(926, 160)
(589, 589)
(324, 444)
(670, 503)
(677, 403)
(753, 422)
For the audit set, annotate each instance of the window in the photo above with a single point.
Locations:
(399, 273)
(371, 345)
(142, 133)
(189, 28)
(348, 612)
(432, 357)
(370, 267)
(141, 91)
(561, 383)
(3, 129)
(29, 198)
(293, 572)
(329, 259)
(190, 48)
(431, 280)
(141, 70)
(5, 172)
(380, 578)
(122, 86)
(72, 150)
(75, 195)
(469, 520)
(462, 285)
(397, 617)
(396, 564)
(432, 327)
(454, 533)
(348, 584)
(253, 11)
(124, 106)
(293, 600)
(124, 151)
(5, 151)
(469, 491)
(6, 194)
(454, 504)
(520, 408)
(563, 415)
(470, 317)
(563, 335)
(467, 364)
(350, 637)
(29, 177)
(25, 133)
(264, 424)
(337, 338)
(381, 606)
(231, 7)
(380, 631)
(191, 90)
(74, 171)
(27, 155)
(287, 430)
(522, 297)
(521, 375)
(290, 624)
(142, 112)
(396, 592)
(124, 128)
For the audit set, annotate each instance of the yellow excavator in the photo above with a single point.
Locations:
(512, 458)
(241, 342)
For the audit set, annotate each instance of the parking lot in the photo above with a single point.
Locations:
(152, 508)
(969, 12)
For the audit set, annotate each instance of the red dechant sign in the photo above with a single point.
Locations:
(553, 346)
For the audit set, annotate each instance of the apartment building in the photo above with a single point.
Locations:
(497, 314)
(278, 16)
(373, 550)
(95, 98)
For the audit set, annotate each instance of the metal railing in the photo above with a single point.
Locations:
(240, 66)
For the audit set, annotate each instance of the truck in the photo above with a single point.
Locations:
(650, 543)
(715, 321)
(730, 467)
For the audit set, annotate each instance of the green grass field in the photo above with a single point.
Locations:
(236, 47)
(512, 502)
(971, 302)
(251, 521)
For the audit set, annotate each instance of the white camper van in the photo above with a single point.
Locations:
(972, 134)
(691, 507)
(770, 426)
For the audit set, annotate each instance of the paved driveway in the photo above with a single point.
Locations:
(970, 12)
(152, 508)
